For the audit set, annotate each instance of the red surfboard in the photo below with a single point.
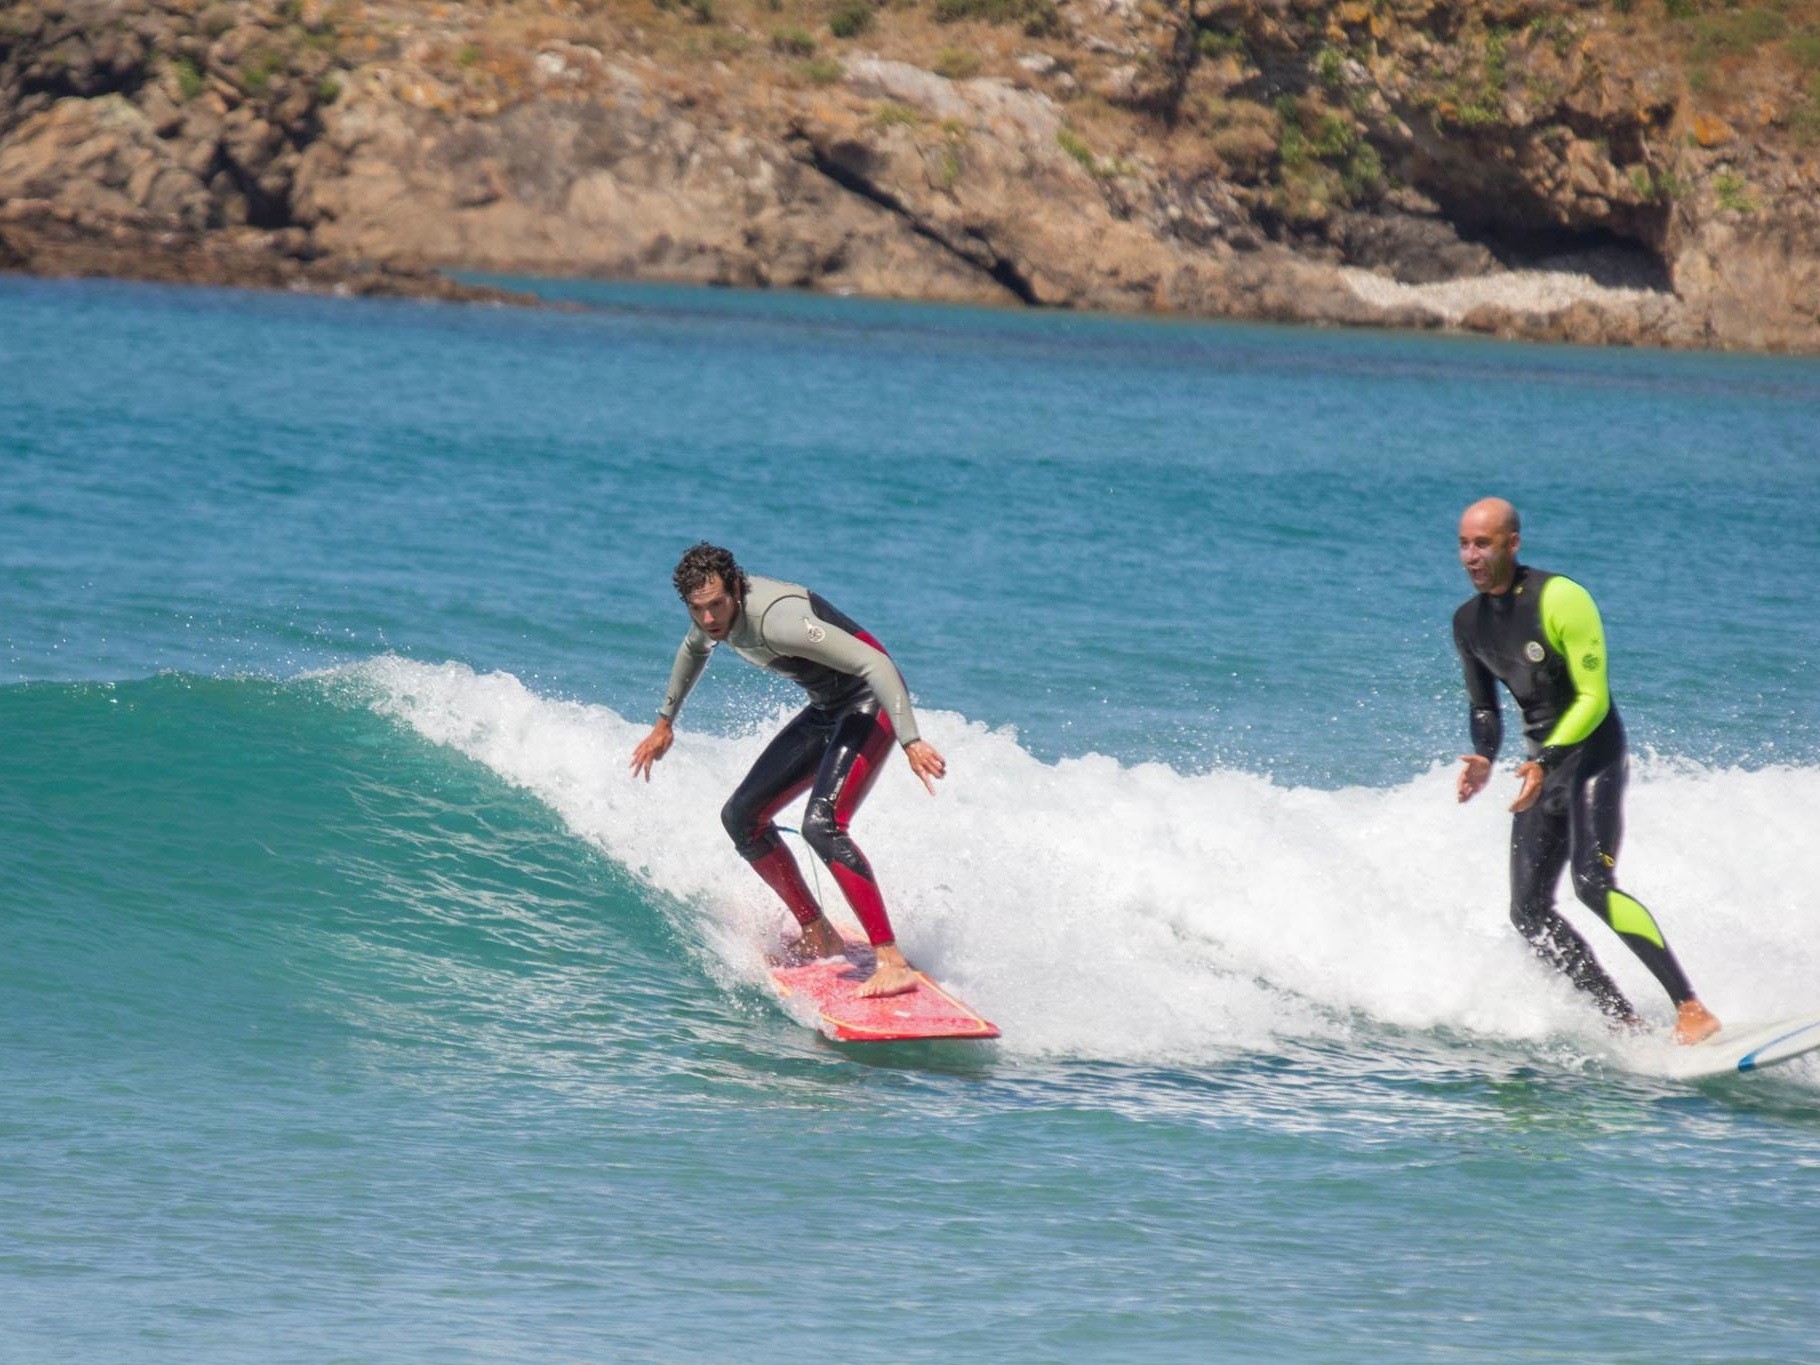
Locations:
(828, 985)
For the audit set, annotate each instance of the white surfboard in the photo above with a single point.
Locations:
(1747, 1047)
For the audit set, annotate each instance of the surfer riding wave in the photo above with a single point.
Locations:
(834, 748)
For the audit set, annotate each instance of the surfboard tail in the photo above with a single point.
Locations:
(831, 985)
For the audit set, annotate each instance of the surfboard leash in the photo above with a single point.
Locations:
(815, 865)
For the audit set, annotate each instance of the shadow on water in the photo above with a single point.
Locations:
(951, 1057)
(1789, 1093)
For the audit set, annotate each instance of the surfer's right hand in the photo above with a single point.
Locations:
(1473, 776)
(653, 747)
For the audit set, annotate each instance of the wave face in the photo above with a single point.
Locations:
(227, 859)
(1136, 913)
(419, 852)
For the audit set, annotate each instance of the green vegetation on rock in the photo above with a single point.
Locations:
(257, 77)
(1330, 67)
(1040, 18)
(957, 64)
(947, 168)
(1475, 106)
(1733, 194)
(1804, 123)
(189, 78)
(1072, 143)
(793, 42)
(1323, 161)
(850, 18)
(1217, 42)
(1656, 186)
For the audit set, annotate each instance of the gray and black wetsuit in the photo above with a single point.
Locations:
(1543, 640)
(833, 748)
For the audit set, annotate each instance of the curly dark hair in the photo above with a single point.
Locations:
(703, 561)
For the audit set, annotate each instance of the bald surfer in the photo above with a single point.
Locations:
(1540, 635)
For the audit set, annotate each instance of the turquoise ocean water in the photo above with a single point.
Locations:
(355, 1004)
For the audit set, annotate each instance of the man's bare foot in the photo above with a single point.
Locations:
(894, 976)
(1694, 1022)
(817, 940)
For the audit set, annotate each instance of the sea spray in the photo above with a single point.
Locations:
(1101, 910)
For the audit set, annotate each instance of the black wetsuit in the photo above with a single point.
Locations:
(1544, 641)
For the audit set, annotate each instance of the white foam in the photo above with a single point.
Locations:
(1133, 912)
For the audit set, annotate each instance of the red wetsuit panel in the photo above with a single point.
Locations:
(838, 755)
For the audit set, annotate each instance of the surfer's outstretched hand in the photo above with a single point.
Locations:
(924, 762)
(653, 747)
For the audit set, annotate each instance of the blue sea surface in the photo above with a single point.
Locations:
(356, 1002)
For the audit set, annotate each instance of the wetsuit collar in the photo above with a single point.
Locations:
(1518, 572)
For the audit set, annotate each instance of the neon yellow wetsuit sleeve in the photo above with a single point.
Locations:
(1570, 621)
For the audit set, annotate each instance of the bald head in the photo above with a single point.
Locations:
(1490, 533)
(1494, 514)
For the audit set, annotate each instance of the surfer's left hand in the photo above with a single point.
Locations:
(1532, 776)
(925, 763)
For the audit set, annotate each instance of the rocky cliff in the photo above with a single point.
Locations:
(1597, 171)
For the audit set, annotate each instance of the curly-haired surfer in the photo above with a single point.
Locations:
(833, 748)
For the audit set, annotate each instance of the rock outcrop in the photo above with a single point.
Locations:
(1542, 168)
